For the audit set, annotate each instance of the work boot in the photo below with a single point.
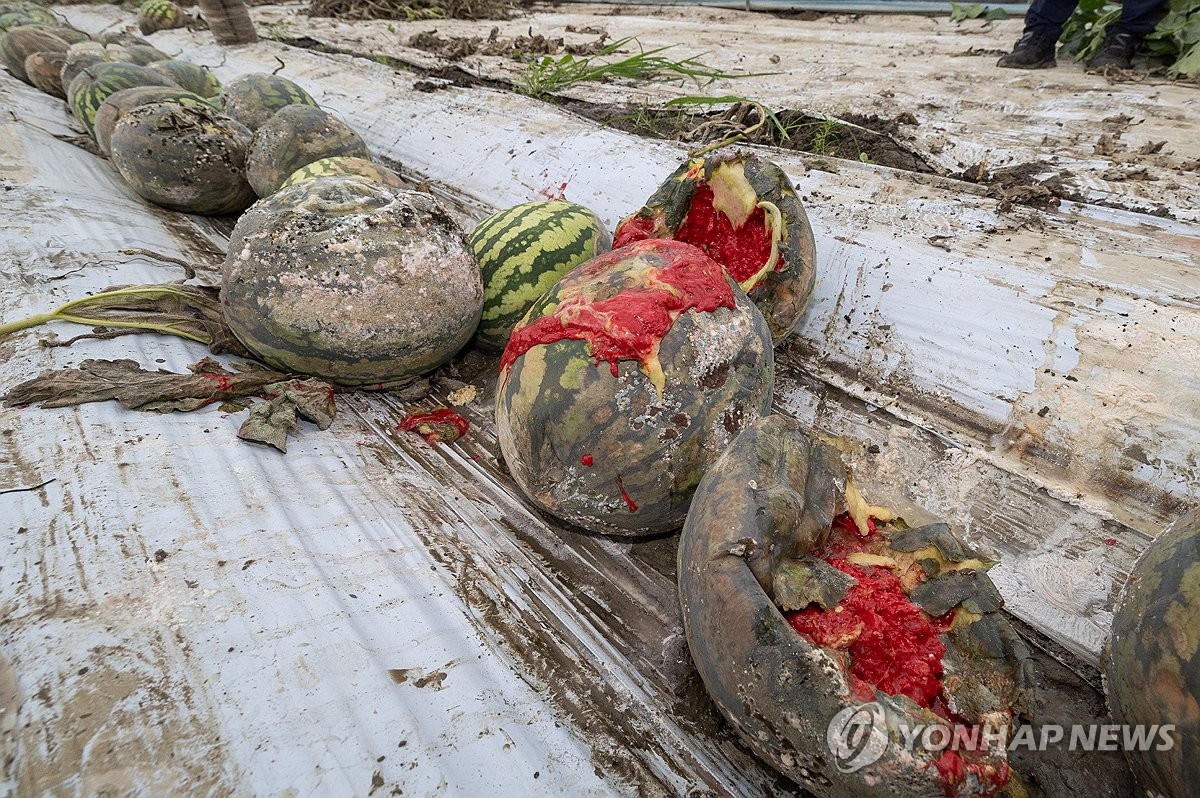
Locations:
(1034, 50)
(1117, 50)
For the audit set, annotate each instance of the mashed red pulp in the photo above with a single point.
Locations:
(893, 645)
(630, 325)
(742, 251)
(442, 425)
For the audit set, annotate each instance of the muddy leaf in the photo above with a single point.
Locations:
(139, 389)
(271, 421)
(799, 583)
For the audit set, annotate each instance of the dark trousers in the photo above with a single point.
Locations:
(1137, 16)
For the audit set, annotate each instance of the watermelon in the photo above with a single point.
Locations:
(253, 99)
(119, 103)
(743, 211)
(91, 87)
(21, 42)
(805, 609)
(44, 71)
(19, 14)
(1152, 662)
(625, 381)
(78, 58)
(351, 281)
(342, 166)
(294, 137)
(522, 252)
(140, 54)
(193, 77)
(156, 15)
(185, 157)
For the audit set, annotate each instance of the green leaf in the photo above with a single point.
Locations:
(1187, 65)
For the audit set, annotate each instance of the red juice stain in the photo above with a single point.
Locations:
(222, 380)
(439, 426)
(628, 500)
(630, 325)
(893, 645)
(586, 460)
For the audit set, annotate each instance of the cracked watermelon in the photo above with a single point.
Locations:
(805, 608)
(117, 104)
(743, 211)
(625, 381)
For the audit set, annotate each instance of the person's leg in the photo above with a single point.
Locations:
(1043, 25)
(1138, 18)
(1050, 15)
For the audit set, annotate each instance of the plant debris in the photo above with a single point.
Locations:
(518, 47)
(188, 311)
(411, 10)
(271, 421)
(164, 391)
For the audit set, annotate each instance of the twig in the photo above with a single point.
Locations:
(26, 490)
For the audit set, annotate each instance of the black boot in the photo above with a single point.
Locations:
(1117, 50)
(1034, 50)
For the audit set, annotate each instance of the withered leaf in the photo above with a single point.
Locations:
(139, 389)
(271, 421)
(189, 311)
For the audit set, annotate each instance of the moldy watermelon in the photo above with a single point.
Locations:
(348, 280)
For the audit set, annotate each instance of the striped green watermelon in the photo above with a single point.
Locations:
(351, 281)
(743, 211)
(156, 15)
(14, 15)
(345, 166)
(253, 99)
(93, 85)
(625, 381)
(294, 137)
(522, 252)
(193, 77)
